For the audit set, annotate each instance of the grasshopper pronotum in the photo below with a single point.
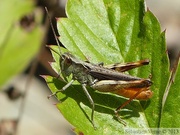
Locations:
(105, 79)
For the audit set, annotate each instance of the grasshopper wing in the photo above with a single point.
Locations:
(127, 66)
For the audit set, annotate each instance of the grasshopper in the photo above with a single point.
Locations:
(105, 79)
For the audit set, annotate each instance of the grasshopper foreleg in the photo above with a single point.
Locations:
(63, 88)
(91, 102)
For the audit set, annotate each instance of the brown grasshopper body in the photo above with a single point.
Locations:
(106, 79)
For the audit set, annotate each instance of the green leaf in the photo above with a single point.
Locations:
(154, 48)
(112, 31)
(17, 44)
(171, 107)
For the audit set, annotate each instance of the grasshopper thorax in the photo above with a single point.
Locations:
(80, 72)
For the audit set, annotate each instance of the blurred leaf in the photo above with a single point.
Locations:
(18, 43)
(112, 31)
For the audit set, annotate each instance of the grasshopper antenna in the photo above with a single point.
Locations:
(56, 38)
(56, 42)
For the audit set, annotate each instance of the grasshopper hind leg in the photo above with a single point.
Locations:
(63, 89)
(91, 102)
(123, 105)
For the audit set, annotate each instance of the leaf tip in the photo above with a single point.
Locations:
(50, 63)
(57, 18)
(43, 76)
(164, 31)
(78, 132)
(49, 46)
(148, 10)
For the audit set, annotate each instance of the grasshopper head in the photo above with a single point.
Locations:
(66, 64)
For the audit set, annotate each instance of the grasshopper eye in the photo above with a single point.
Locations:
(65, 62)
(68, 61)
